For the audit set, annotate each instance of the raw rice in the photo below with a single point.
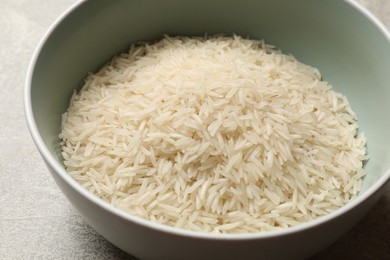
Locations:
(214, 134)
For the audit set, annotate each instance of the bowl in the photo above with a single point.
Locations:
(345, 42)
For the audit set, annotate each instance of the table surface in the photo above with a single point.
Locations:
(36, 220)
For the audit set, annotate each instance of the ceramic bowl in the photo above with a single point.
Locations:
(345, 42)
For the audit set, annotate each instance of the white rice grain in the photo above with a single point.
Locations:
(214, 134)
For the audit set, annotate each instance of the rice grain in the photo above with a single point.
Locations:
(216, 134)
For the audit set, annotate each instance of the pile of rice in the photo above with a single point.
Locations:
(218, 134)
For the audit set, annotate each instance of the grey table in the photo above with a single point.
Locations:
(36, 220)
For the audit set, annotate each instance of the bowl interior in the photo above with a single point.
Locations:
(350, 51)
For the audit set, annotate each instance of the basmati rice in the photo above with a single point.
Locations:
(214, 134)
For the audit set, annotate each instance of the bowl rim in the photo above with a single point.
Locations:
(61, 172)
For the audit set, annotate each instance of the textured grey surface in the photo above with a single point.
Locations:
(36, 220)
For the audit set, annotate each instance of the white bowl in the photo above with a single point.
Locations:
(345, 42)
